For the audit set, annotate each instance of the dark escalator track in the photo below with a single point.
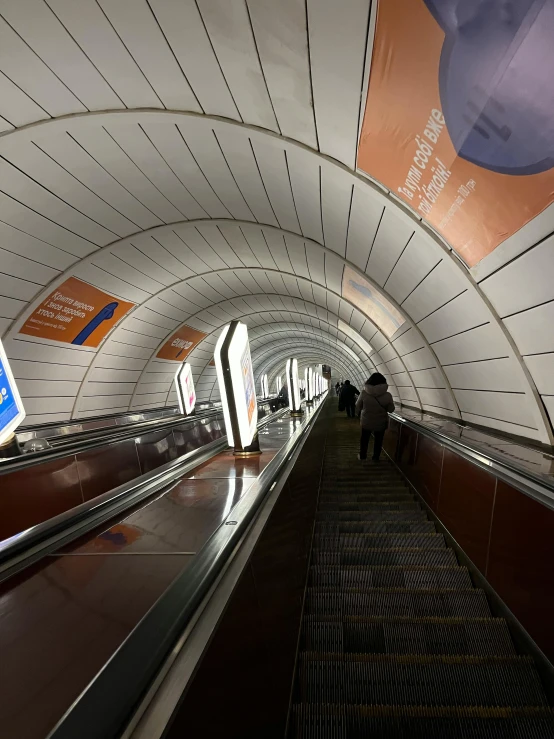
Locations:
(395, 640)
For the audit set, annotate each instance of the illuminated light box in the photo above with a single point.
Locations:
(186, 393)
(309, 383)
(264, 386)
(237, 389)
(12, 412)
(279, 384)
(293, 387)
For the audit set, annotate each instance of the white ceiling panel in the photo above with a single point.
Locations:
(393, 235)
(204, 147)
(336, 196)
(444, 283)
(138, 29)
(409, 342)
(240, 157)
(83, 168)
(168, 140)
(541, 368)
(508, 407)
(282, 43)
(416, 261)
(494, 374)
(37, 25)
(533, 330)
(184, 29)
(463, 313)
(485, 342)
(33, 76)
(421, 359)
(431, 378)
(365, 216)
(436, 399)
(90, 28)
(525, 282)
(274, 170)
(230, 31)
(337, 53)
(16, 107)
(25, 190)
(105, 150)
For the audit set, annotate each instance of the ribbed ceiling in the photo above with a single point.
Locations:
(198, 161)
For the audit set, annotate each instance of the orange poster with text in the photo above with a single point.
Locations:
(180, 344)
(76, 313)
(459, 118)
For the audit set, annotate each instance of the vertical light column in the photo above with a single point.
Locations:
(309, 381)
(236, 385)
(264, 386)
(293, 387)
(186, 394)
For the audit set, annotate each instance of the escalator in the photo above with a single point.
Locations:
(86, 459)
(395, 640)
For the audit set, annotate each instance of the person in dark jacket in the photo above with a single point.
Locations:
(284, 396)
(348, 396)
(373, 407)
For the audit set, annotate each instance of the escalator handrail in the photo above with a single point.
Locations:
(107, 703)
(25, 548)
(527, 482)
(92, 439)
(102, 437)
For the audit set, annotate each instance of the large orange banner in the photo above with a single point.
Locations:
(180, 344)
(76, 313)
(459, 120)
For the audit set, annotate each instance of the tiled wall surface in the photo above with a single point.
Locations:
(506, 534)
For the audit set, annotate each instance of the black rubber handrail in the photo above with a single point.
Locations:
(101, 437)
(105, 706)
(535, 486)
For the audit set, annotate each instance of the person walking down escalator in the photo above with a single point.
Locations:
(347, 398)
(373, 407)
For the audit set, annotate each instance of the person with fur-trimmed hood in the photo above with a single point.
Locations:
(373, 407)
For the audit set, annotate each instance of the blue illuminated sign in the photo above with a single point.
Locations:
(11, 409)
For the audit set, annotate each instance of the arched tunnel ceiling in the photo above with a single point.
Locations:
(198, 160)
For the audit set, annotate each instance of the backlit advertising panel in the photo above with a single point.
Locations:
(459, 118)
(12, 412)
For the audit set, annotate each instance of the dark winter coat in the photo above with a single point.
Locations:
(348, 395)
(374, 404)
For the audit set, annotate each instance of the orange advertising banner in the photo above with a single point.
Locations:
(459, 119)
(180, 344)
(76, 313)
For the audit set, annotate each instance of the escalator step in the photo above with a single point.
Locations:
(444, 636)
(396, 602)
(390, 577)
(372, 516)
(375, 527)
(313, 721)
(342, 482)
(371, 541)
(385, 557)
(416, 680)
(374, 506)
(366, 497)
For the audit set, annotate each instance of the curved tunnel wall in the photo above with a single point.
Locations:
(197, 219)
